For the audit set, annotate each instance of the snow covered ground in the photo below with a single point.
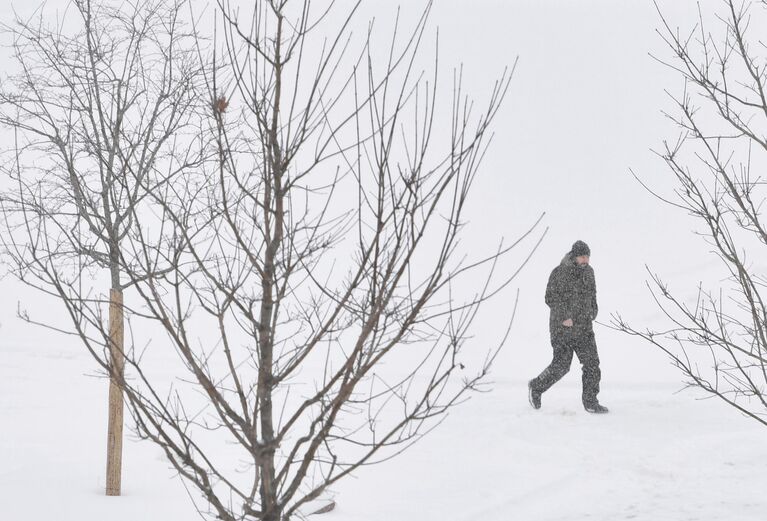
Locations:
(657, 456)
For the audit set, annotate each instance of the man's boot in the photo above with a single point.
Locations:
(533, 396)
(595, 408)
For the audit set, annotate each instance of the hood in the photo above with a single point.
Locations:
(568, 260)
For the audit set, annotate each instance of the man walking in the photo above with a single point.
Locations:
(572, 296)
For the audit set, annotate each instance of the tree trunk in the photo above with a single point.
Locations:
(115, 429)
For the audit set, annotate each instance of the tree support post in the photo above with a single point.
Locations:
(115, 428)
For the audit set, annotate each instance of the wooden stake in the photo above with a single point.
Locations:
(115, 429)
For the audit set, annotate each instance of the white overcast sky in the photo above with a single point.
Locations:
(584, 107)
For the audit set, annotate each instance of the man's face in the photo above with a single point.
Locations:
(582, 260)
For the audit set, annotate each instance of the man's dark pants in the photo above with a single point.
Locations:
(566, 341)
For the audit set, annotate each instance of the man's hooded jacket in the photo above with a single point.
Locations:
(571, 293)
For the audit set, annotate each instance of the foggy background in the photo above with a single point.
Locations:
(584, 109)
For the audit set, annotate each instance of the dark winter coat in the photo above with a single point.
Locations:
(571, 293)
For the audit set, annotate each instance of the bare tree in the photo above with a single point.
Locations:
(98, 104)
(719, 341)
(309, 274)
